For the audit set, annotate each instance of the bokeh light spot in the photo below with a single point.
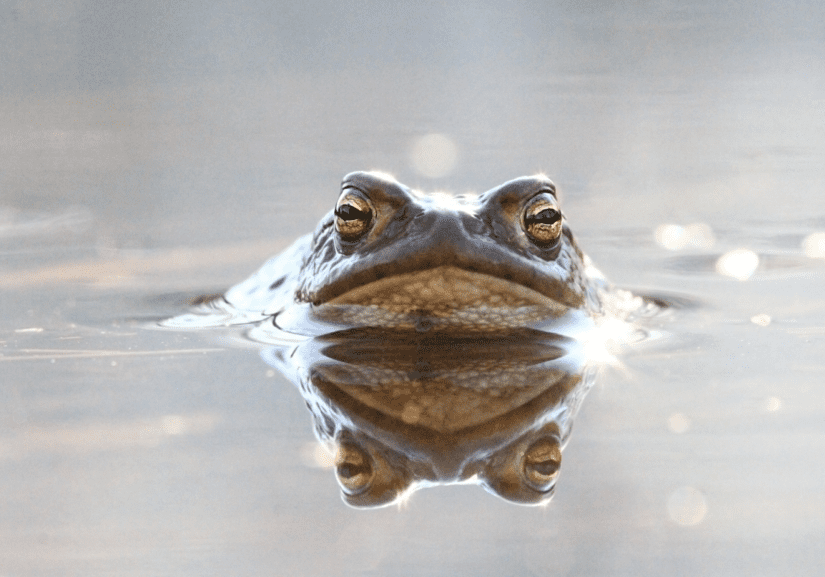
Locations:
(678, 423)
(814, 245)
(434, 155)
(739, 264)
(677, 237)
(772, 404)
(318, 455)
(762, 320)
(686, 506)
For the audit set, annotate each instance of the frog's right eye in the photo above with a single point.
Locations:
(353, 216)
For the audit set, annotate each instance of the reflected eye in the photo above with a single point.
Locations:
(353, 469)
(353, 216)
(542, 221)
(541, 464)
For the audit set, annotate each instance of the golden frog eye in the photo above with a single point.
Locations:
(353, 216)
(541, 464)
(542, 221)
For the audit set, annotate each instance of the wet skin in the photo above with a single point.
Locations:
(389, 256)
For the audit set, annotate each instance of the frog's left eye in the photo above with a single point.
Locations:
(353, 216)
(354, 469)
(542, 221)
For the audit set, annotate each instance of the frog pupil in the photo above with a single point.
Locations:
(545, 468)
(546, 216)
(349, 212)
(351, 470)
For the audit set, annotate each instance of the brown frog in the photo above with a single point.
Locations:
(391, 257)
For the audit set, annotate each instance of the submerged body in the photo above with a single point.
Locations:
(388, 256)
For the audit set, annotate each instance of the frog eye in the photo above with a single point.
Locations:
(542, 221)
(353, 468)
(353, 216)
(541, 464)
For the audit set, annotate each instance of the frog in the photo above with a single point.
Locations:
(393, 257)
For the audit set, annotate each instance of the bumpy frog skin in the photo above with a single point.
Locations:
(388, 256)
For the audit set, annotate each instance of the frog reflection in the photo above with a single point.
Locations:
(408, 410)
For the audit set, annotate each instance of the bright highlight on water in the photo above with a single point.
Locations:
(677, 237)
(739, 264)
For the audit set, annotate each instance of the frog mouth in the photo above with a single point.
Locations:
(444, 288)
(442, 296)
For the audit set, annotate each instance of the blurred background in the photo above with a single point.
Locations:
(151, 151)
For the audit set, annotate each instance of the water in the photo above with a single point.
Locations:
(150, 154)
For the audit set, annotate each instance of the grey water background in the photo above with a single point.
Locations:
(151, 151)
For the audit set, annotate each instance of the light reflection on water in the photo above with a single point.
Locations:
(814, 245)
(739, 263)
(697, 235)
(687, 506)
